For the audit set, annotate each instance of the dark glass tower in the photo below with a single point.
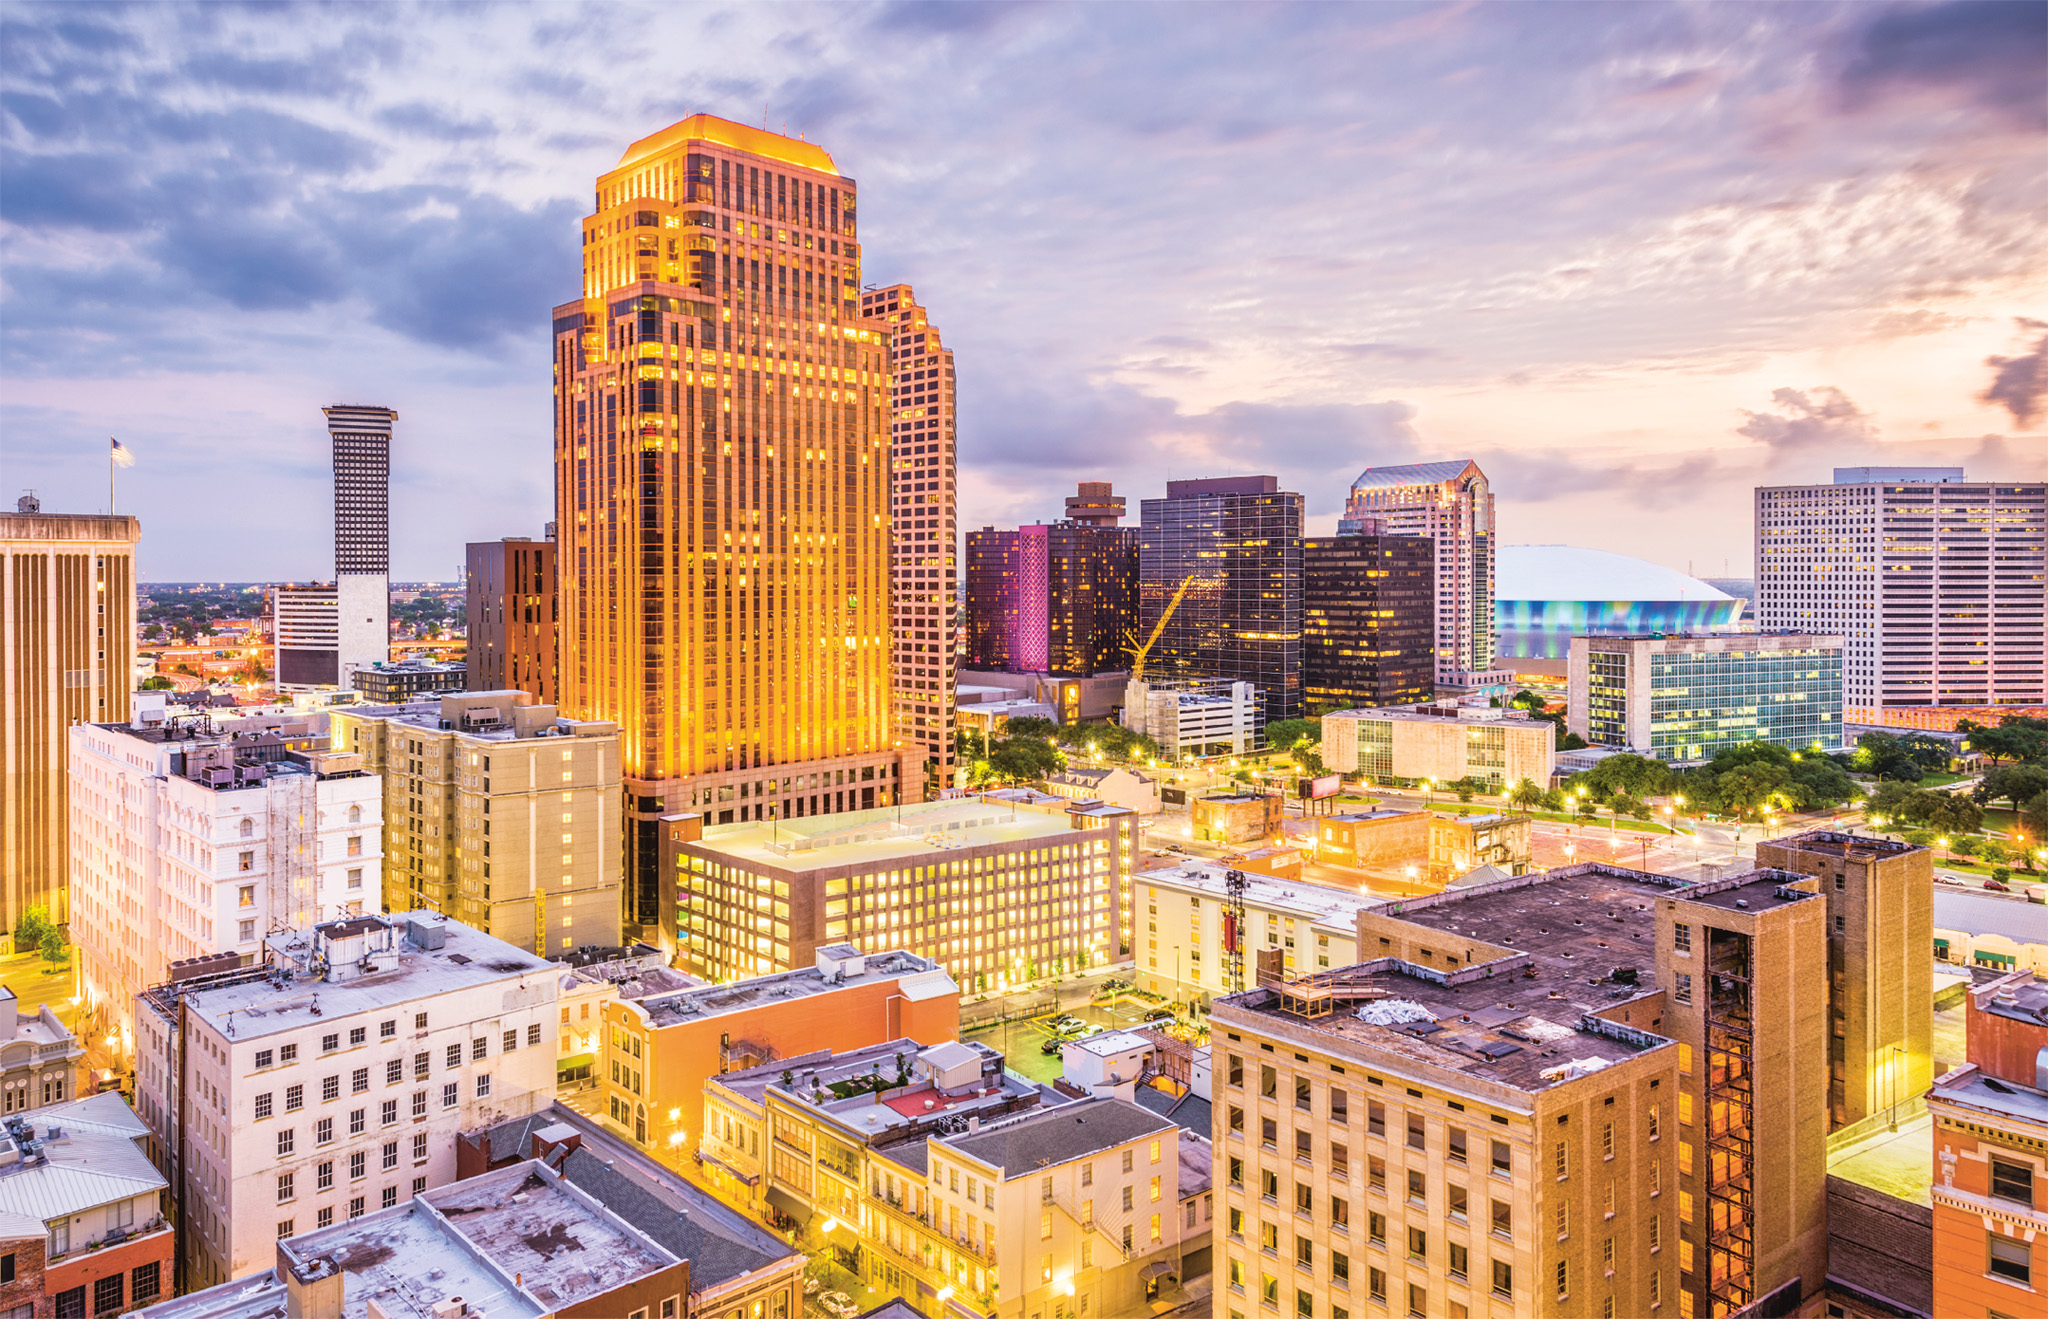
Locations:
(1059, 599)
(1368, 625)
(1236, 541)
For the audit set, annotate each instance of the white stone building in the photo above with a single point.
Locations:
(192, 840)
(334, 1081)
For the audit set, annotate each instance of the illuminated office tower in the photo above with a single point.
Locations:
(1933, 582)
(925, 575)
(722, 490)
(67, 657)
(1452, 504)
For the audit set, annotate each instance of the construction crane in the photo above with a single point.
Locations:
(1138, 655)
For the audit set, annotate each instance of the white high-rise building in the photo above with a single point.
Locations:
(190, 840)
(1934, 582)
(333, 1080)
(1450, 503)
(326, 632)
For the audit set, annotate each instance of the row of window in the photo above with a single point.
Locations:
(394, 1071)
(358, 1119)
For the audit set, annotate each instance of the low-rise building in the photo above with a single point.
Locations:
(332, 1080)
(523, 1241)
(1185, 929)
(499, 813)
(1382, 839)
(1460, 844)
(658, 1047)
(407, 680)
(1113, 784)
(1997, 930)
(39, 1058)
(1989, 1119)
(1682, 697)
(1440, 743)
(1002, 892)
(194, 839)
(81, 1207)
(1237, 817)
(1192, 718)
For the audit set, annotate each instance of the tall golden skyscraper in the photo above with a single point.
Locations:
(722, 492)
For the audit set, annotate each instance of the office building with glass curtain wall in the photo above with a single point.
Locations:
(1682, 698)
(1236, 542)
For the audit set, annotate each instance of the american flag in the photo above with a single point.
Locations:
(119, 453)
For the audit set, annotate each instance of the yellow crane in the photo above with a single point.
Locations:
(1138, 654)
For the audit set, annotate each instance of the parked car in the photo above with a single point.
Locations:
(1060, 1025)
(1998, 886)
(1161, 1014)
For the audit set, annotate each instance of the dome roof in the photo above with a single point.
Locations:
(1567, 572)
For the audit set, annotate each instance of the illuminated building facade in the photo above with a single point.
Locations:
(1236, 541)
(1685, 697)
(1367, 633)
(1934, 582)
(1058, 599)
(722, 488)
(67, 657)
(511, 612)
(1544, 595)
(924, 568)
(1452, 504)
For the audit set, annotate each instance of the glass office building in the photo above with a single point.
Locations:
(1368, 621)
(1684, 697)
(1236, 544)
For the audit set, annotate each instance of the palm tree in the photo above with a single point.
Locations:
(1525, 794)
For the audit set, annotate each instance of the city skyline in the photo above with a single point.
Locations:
(1830, 269)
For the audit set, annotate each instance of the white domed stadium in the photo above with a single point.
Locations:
(1544, 595)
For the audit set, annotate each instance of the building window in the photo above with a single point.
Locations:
(419, 1148)
(390, 1155)
(358, 1036)
(1681, 939)
(324, 1176)
(265, 1059)
(454, 1055)
(263, 1103)
(71, 1303)
(390, 1197)
(286, 1187)
(451, 1095)
(423, 1062)
(533, 1031)
(358, 1118)
(2012, 1181)
(419, 1185)
(325, 1218)
(144, 1284)
(294, 1098)
(355, 1207)
(1503, 1279)
(356, 1168)
(512, 1037)
(1683, 992)
(483, 1085)
(330, 1088)
(2010, 1259)
(287, 1139)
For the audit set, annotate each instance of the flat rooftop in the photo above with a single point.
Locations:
(1335, 907)
(562, 1246)
(891, 1111)
(1583, 941)
(1827, 842)
(290, 997)
(918, 978)
(1443, 714)
(888, 833)
(1968, 1087)
(1381, 813)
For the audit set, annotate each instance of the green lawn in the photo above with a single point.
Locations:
(1942, 779)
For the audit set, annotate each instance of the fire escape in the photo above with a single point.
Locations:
(1234, 885)
(1731, 1208)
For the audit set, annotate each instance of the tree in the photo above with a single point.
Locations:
(1630, 775)
(29, 933)
(1020, 758)
(1288, 734)
(157, 684)
(1568, 740)
(1527, 700)
(1030, 725)
(1526, 795)
(1887, 756)
(2015, 738)
(1955, 814)
(2014, 783)
(53, 944)
(1552, 800)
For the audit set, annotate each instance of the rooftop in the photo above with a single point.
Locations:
(726, 133)
(340, 968)
(720, 1244)
(74, 1157)
(1197, 1161)
(493, 716)
(1569, 572)
(1387, 478)
(1440, 713)
(1378, 813)
(1334, 907)
(1827, 842)
(888, 833)
(864, 1096)
(918, 978)
(1582, 941)
(1071, 1131)
(1968, 1087)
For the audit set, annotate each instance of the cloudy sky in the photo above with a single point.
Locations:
(1635, 259)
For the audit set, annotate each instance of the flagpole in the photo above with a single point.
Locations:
(110, 476)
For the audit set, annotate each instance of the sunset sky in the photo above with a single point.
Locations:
(1634, 259)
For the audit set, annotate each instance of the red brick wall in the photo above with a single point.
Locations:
(2002, 1047)
(82, 1268)
(27, 1286)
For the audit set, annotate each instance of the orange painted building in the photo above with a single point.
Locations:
(656, 1053)
(1990, 1130)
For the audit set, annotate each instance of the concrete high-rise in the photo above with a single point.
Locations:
(1235, 542)
(511, 610)
(1059, 599)
(67, 656)
(924, 571)
(325, 632)
(1934, 583)
(1367, 621)
(1095, 505)
(722, 487)
(1452, 504)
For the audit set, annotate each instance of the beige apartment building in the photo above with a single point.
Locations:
(497, 812)
(1585, 1093)
(1880, 927)
(67, 656)
(1183, 917)
(1441, 744)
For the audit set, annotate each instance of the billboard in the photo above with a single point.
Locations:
(1318, 788)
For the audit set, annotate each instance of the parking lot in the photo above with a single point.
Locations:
(1020, 1042)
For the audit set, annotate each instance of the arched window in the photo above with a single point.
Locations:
(355, 815)
(248, 827)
